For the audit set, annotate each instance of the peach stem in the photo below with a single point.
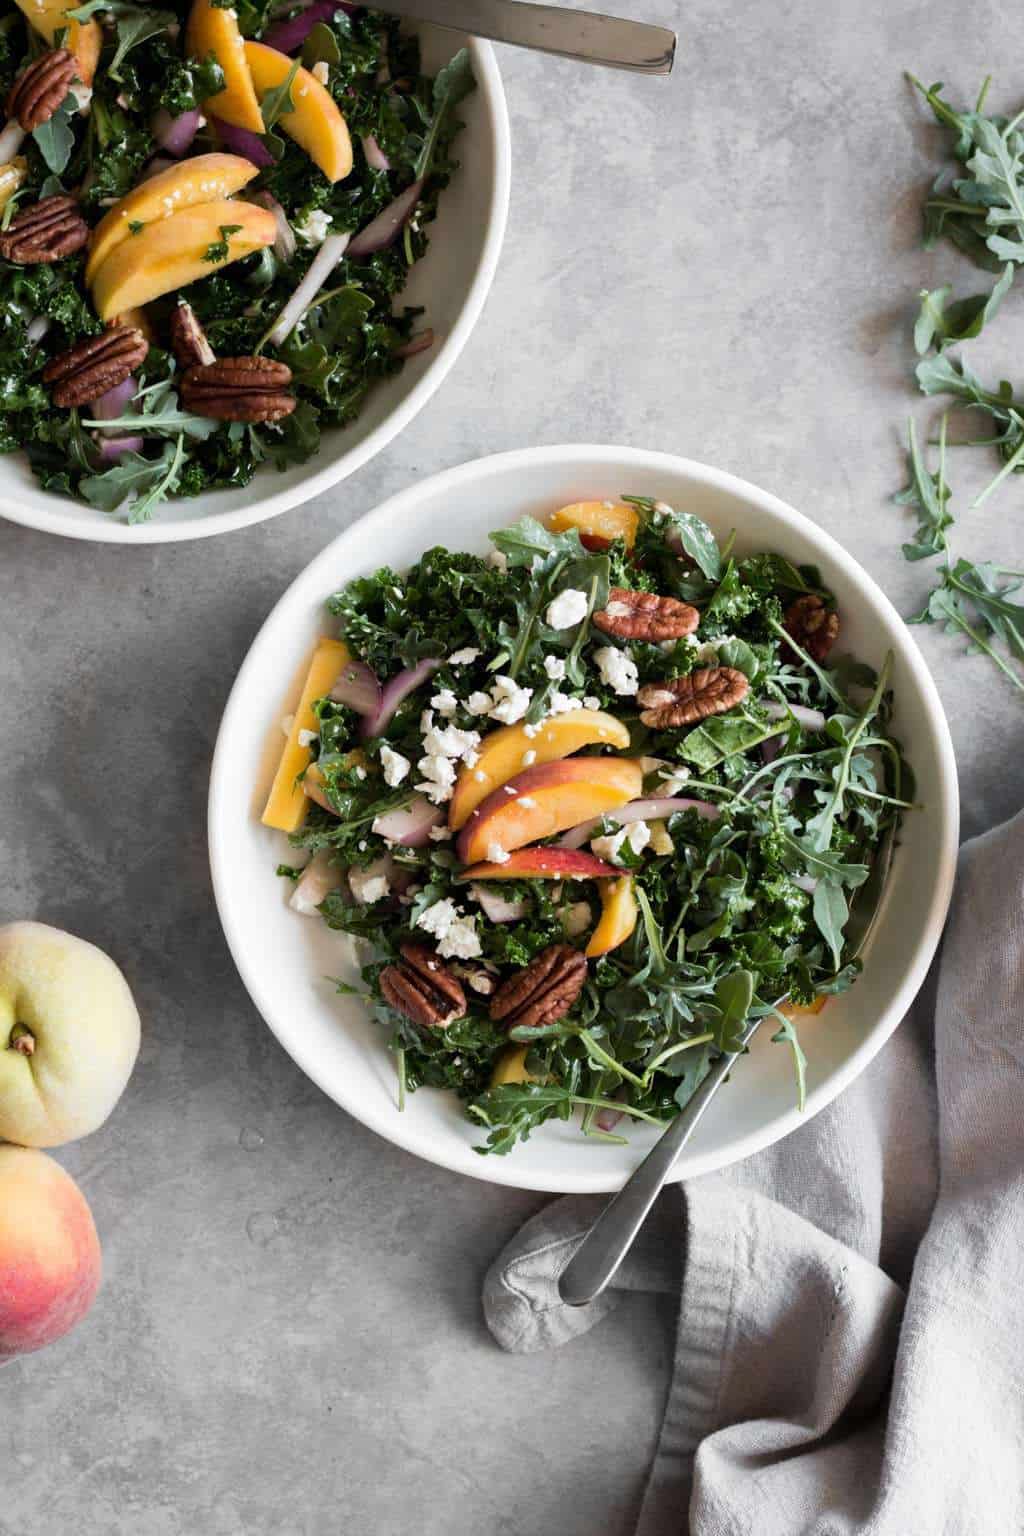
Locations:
(22, 1040)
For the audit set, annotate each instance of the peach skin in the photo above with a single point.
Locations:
(50, 1263)
(505, 752)
(598, 522)
(544, 863)
(546, 799)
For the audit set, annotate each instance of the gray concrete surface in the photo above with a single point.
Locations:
(289, 1342)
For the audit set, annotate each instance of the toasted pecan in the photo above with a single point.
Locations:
(645, 616)
(813, 626)
(39, 90)
(544, 991)
(422, 987)
(239, 389)
(91, 367)
(188, 339)
(48, 231)
(685, 700)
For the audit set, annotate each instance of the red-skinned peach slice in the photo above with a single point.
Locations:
(502, 752)
(542, 864)
(618, 916)
(546, 799)
(604, 520)
(802, 1010)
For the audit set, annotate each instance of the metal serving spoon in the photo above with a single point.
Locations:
(613, 1233)
(583, 35)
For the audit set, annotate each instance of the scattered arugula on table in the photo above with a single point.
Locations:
(742, 911)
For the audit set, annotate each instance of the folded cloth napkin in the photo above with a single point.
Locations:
(850, 1349)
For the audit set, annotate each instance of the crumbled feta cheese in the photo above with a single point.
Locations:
(445, 703)
(321, 71)
(618, 671)
(426, 720)
(638, 836)
(575, 918)
(314, 228)
(496, 853)
(481, 982)
(673, 780)
(456, 934)
(497, 559)
(286, 724)
(464, 657)
(561, 703)
(531, 730)
(360, 772)
(607, 847)
(438, 778)
(529, 758)
(591, 702)
(395, 766)
(509, 701)
(554, 666)
(479, 703)
(306, 738)
(368, 885)
(449, 741)
(82, 96)
(568, 609)
(440, 834)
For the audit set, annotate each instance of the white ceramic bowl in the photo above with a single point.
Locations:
(285, 960)
(451, 283)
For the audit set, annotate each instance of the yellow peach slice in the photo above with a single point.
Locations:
(618, 916)
(139, 320)
(510, 1067)
(316, 124)
(177, 251)
(288, 801)
(803, 1010)
(204, 179)
(214, 29)
(544, 800)
(506, 752)
(84, 38)
(11, 177)
(598, 522)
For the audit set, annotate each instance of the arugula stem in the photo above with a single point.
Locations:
(1007, 470)
(822, 676)
(609, 1061)
(673, 1050)
(400, 1066)
(983, 645)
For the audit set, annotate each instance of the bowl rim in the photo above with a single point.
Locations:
(68, 523)
(394, 511)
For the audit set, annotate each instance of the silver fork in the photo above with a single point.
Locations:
(614, 1232)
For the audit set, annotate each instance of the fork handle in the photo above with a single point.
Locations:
(605, 1246)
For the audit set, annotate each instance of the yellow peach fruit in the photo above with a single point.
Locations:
(50, 1263)
(214, 29)
(547, 799)
(598, 522)
(316, 123)
(618, 916)
(83, 38)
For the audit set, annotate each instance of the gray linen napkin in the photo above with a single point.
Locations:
(850, 1351)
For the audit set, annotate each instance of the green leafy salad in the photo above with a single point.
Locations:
(347, 150)
(590, 804)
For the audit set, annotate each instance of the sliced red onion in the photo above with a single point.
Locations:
(410, 824)
(287, 36)
(358, 686)
(385, 229)
(770, 749)
(113, 448)
(809, 719)
(175, 134)
(156, 167)
(497, 907)
(376, 159)
(37, 329)
(320, 268)
(320, 877)
(419, 343)
(11, 140)
(284, 241)
(395, 691)
(658, 809)
(112, 405)
(608, 1119)
(242, 142)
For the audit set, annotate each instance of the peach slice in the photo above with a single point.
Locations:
(84, 38)
(618, 916)
(316, 124)
(510, 1067)
(599, 522)
(803, 1010)
(546, 799)
(174, 252)
(289, 796)
(502, 754)
(11, 177)
(214, 29)
(542, 864)
(204, 179)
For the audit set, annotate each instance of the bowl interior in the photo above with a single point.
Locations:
(450, 283)
(285, 961)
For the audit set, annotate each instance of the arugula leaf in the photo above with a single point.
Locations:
(942, 324)
(55, 139)
(724, 736)
(159, 415)
(786, 1034)
(278, 100)
(453, 84)
(930, 494)
(142, 482)
(774, 573)
(320, 47)
(692, 534)
(528, 540)
(136, 26)
(734, 996)
(217, 250)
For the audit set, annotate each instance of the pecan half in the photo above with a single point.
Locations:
(423, 988)
(544, 991)
(645, 616)
(684, 700)
(188, 339)
(238, 389)
(814, 627)
(39, 90)
(95, 365)
(52, 229)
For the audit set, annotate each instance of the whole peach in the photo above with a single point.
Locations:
(50, 1262)
(69, 1035)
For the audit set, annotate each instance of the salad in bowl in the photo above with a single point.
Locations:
(586, 804)
(208, 214)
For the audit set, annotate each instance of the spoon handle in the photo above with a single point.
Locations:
(583, 35)
(611, 1237)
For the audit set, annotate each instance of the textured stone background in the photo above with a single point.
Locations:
(289, 1342)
